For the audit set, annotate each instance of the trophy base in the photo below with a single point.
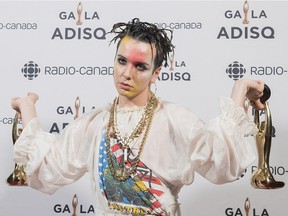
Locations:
(268, 185)
(263, 179)
(17, 183)
(17, 178)
(14, 181)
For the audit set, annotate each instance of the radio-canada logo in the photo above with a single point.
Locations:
(30, 70)
(235, 70)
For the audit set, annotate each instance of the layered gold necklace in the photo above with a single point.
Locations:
(121, 173)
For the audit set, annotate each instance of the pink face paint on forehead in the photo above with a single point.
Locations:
(137, 51)
(137, 56)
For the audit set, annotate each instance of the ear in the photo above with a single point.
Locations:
(155, 74)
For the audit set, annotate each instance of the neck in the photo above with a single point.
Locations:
(140, 100)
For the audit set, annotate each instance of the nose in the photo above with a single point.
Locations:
(127, 72)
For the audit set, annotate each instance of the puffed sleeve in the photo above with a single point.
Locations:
(223, 153)
(54, 160)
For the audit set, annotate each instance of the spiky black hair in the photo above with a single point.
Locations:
(149, 33)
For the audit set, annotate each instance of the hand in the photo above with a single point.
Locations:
(248, 89)
(25, 106)
(254, 93)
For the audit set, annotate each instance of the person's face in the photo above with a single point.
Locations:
(133, 69)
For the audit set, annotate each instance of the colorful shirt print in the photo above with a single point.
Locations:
(136, 195)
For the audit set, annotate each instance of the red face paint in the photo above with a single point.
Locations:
(133, 70)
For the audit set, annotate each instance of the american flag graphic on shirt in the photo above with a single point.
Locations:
(140, 190)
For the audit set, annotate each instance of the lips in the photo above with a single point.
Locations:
(124, 86)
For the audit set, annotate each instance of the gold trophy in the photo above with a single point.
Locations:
(245, 10)
(74, 204)
(262, 178)
(77, 107)
(18, 176)
(247, 206)
(79, 12)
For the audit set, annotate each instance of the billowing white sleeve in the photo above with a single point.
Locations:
(54, 160)
(180, 144)
(223, 153)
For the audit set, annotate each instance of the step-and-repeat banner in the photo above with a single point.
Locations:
(60, 50)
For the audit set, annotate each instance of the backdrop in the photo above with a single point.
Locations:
(48, 48)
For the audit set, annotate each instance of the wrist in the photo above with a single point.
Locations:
(239, 91)
(27, 111)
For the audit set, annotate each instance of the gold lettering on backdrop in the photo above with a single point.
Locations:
(79, 12)
(77, 107)
(245, 10)
(247, 206)
(74, 204)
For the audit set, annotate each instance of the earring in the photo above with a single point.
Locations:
(155, 88)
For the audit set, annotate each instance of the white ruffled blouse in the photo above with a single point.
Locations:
(178, 145)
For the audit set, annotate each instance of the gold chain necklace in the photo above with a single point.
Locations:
(126, 140)
(123, 173)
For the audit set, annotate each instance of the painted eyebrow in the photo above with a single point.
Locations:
(137, 62)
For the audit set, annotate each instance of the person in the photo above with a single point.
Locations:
(140, 150)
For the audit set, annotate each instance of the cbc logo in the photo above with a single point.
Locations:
(235, 70)
(30, 70)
